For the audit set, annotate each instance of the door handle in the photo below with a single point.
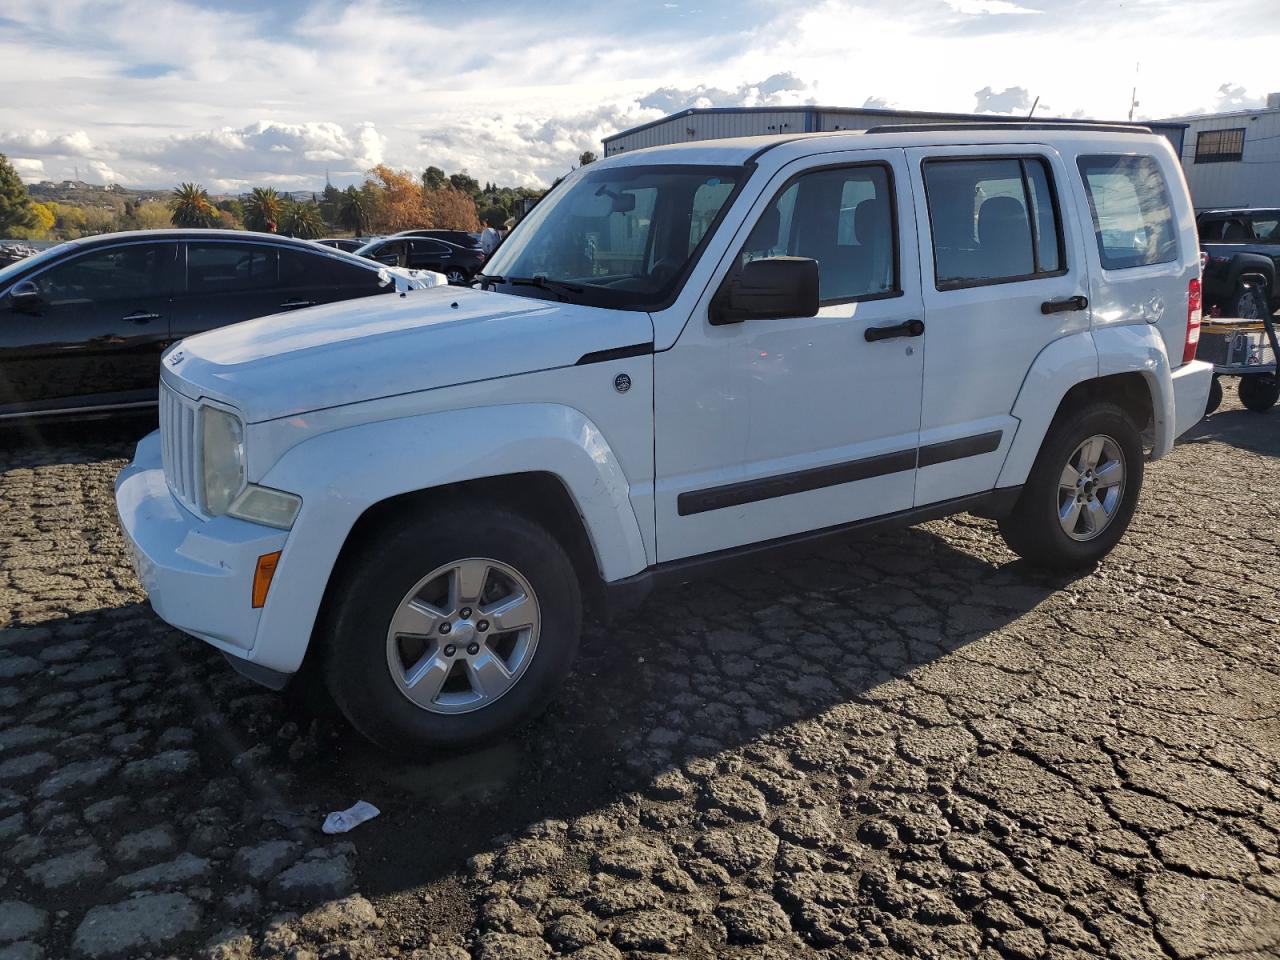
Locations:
(1065, 305)
(908, 328)
(140, 316)
(295, 304)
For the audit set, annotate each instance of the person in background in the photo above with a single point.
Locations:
(490, 238)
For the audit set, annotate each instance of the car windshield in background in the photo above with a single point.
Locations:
(622, 237)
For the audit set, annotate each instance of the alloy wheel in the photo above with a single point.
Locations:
(463, 635)
(1091, 487)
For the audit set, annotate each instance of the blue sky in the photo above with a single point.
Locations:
(242, 92)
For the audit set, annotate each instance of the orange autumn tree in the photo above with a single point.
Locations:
(399, 202)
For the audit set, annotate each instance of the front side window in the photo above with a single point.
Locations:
(230, 267)
(320, 271)
(1220, 146)
(841, 217)
(623, 237)
(993, 220)
(1132, 216)
(121, 273)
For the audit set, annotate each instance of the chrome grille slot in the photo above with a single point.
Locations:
(178, 446)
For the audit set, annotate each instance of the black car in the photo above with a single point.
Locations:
(1240, 250)
(457, 263)
(83, 324)
(459, 238)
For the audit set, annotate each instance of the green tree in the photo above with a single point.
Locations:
(263, 209)
(302, 220)
(353, 211)
(433, 178)
(494, 216)
(190, 207)
(466, 183)
(587, 156)
(330, 203)
(15, 202)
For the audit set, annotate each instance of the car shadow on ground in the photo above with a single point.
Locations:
(1255, 432)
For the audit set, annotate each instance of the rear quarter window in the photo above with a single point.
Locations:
(1132, 216)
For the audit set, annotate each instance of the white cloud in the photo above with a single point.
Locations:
(29, 169)
(973, 8)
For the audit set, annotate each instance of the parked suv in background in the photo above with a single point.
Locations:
(683, 355)
(1241, 256)
(459, 238)
(83, 324)
(458, 264)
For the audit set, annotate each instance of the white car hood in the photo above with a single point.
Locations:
(376, 347)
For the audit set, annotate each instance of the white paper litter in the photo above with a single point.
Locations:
(340, 821)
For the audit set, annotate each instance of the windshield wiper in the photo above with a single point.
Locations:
(542, 283)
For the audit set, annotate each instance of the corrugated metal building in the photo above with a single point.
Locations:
(713, 123)
(1233, 159)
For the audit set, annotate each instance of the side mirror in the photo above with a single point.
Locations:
(768, 289)
(25, 296)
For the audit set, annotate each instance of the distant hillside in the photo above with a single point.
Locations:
(89, 194)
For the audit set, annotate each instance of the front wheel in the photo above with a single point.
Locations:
(1082, 490)
(451, 628)
(456, 277)
(1260, 391)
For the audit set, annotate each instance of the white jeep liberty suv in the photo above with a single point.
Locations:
(681, 356)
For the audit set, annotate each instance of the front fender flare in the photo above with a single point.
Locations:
(341, 474)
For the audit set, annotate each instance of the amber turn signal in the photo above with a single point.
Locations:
(262, 577)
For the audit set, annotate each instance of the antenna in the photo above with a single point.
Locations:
(1133, 97)
(1031, 113)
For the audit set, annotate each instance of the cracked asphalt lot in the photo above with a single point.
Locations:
(909, 746)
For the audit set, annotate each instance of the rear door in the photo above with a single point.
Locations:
(227, 282)
(307, 279)
(96, 333)
(1003, 276)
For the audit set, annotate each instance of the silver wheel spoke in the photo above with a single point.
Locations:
(1069, 515)
(1090, 453)
(1070, 478)
(512, 613)
(489, 676)
(416, 619)
(426, 677)
(1095, 516)
(1110, 474)
(468, 581)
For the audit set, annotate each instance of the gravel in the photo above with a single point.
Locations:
(911, 746)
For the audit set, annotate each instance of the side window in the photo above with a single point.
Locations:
(1267, 229)
(842, 217)
(230, 267)
(707, 201)
(1132, 216)
(122, 273)
(317, 271)
(993, 221)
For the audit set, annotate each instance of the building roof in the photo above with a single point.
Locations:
(872, 112)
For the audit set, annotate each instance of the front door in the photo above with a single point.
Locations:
(94, 334)
(228, 281)
(770, 428)
(1003, 277)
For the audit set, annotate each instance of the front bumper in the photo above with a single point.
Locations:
(1191, 383)
(198, 573)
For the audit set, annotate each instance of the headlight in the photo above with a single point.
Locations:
(222, 454)
(275, 508)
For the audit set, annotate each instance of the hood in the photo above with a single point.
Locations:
(383, 346)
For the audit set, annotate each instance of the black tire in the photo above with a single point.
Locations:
(1033, 530)
(374, 581)
(456, 277)
(1215, 397)
(1260, 391)
(1249, 302)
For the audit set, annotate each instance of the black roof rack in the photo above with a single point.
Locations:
(1083, 125)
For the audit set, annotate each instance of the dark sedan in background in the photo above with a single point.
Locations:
(459, 264)
(83, 324)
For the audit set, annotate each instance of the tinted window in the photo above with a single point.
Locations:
(238, 267)
(992, 221)
(1220, 146)
(1132, 217)
(432, 247)
(1267, 229)
(121, 273)
(844, 219)
(300, 269)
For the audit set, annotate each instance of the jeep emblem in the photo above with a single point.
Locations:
(622, 383)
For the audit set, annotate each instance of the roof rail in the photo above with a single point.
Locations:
(1083, 125)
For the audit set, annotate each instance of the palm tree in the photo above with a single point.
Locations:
(190, 207)
(302, 220)
(352, 214)
(263, 209)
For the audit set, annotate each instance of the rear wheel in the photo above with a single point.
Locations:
(1249, 302)
(1215, 396)
(452, 628)
(1082, 490)
(456, 277)
(1260, 391)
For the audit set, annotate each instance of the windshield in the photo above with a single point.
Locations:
(13, 269)
(623, 237)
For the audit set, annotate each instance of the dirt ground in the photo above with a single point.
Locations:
(911, 746)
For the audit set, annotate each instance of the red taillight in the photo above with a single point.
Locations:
(1194, 303)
